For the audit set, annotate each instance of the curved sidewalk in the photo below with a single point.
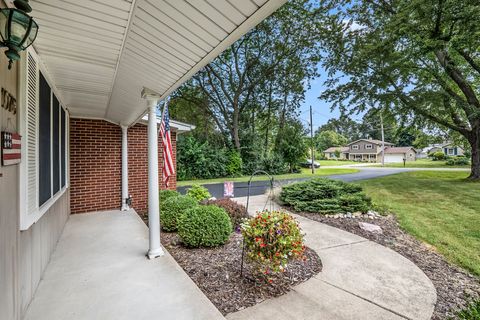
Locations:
(360, 280)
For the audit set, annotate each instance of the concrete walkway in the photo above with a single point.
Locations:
(99, 271)
(360, 280)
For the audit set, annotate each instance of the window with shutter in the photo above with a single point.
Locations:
(44, 130)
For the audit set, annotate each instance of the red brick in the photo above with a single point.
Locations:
(95, 160)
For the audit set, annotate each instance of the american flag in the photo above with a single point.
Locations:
(168, 166)
(11, 145)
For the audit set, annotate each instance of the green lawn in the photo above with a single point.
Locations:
(423, 163)
(306, 173)
(330, 163)
(440, 208)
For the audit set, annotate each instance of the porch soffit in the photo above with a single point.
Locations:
(101, 53)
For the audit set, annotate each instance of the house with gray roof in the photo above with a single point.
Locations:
(370, 150)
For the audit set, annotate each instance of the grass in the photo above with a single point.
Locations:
(306, 173)
(439, 208)
(423, 163)
(330, 163)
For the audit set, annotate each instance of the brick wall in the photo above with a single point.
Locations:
(138, 166)
(96, 165)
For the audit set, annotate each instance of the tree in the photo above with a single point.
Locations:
(344, 125)
(328, 138)
(263, 74)
(413, 57)
(291, 145)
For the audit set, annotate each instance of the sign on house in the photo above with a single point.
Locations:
(11, 145)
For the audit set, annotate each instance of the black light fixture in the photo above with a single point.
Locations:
(17, 30)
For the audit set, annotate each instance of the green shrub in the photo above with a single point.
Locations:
(470, 312)
(458, 161)
(272, 239)
(200, 160)
(172, 208)
(234, 166)
(438, 155)
(166, 194)
(325, 196)
(198, 192)
(207, 226)
(236, 211)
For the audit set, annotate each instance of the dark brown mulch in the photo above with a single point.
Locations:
(454, 285)
(216, 271)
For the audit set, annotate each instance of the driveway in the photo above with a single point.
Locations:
(260, 187)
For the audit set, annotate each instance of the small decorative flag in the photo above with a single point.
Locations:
(11, 148)
(168, 165)
(228, 189)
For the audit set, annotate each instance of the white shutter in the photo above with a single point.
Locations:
(29, 78)
(28, 86)
(31, 133)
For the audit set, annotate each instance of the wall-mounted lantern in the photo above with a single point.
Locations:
(17, 30)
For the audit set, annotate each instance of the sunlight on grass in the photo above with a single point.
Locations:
(306, 173)
(440, 208)
(422, 163)
(331, 163)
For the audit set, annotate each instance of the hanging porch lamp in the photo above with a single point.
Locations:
(17, 30)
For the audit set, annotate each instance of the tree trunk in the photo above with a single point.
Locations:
(236, 137)
(474, 140)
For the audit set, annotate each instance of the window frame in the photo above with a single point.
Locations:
(29, 216)
(355, 147)
(451, 153)
(369, 146)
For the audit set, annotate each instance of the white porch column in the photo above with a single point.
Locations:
(155, 249)
(125, 205)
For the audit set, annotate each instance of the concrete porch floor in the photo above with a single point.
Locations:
(99, 271)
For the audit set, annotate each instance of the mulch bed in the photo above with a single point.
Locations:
(455, 287)
(216, 271)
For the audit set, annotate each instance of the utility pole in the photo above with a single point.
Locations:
(383, 140)
(311, 138)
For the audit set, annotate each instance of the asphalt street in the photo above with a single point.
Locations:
(260, 187)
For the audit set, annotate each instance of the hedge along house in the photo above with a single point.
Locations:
(95, 70)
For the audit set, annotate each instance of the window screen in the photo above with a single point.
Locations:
(56, 145)
(44, 133)
(63, 117)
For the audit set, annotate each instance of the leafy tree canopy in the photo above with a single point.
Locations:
(413, 57)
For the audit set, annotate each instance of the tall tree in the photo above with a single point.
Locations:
(268, 67)
(328, 138)
(344, 126)
(291, 143)
(413, 56)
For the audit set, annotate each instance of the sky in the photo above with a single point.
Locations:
(321, 108)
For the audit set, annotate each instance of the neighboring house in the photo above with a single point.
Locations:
(397, 154)
(366, 150)
(450, 149)
(370, 150)
(330, 152)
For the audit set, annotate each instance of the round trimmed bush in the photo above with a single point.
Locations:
(207, 226)
(166, 194)
(198, 192)
(237, 212)
(172, 208)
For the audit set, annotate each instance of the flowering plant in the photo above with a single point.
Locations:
(272, 239)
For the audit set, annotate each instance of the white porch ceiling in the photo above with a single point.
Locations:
(101, 53)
